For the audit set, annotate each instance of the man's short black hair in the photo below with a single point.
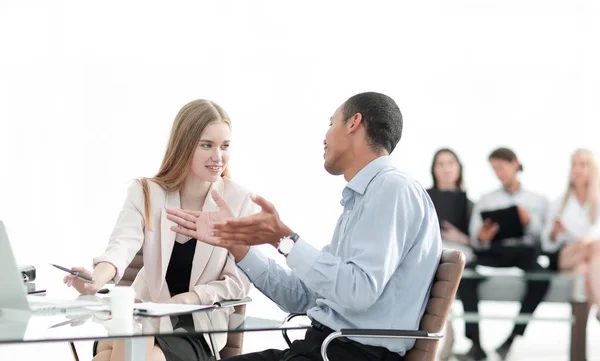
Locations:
(381, 117)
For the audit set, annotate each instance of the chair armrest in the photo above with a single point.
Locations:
(293, 315)
(357, 332)
(288, 319)
(375, 333)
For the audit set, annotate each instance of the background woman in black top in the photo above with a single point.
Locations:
(454, 212)
(450, 200)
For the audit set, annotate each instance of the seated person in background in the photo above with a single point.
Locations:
(454, 212)
(572, 232)
(378, 270)
(450, 200)
(177, 269)
(519, 252)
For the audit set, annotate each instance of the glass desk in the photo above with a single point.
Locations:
(81, 324)
(506, 284)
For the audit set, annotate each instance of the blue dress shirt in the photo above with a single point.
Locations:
(378, 270)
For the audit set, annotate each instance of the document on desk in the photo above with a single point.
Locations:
(166, 309)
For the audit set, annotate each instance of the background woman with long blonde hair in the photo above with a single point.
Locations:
(193, 176)
(572, 232)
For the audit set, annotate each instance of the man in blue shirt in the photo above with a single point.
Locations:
(378, 269)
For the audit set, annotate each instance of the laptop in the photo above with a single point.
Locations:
(14, 296)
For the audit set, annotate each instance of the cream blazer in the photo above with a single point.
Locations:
(214, 275)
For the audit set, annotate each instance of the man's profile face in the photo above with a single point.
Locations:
(335, 143)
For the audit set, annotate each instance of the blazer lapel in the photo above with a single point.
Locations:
(203, 250)
(167, 236)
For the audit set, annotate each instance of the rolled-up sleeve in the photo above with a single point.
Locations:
(232, 284)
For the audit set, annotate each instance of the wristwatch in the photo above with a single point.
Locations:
(286, 243)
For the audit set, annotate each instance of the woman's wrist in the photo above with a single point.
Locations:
(103, 273)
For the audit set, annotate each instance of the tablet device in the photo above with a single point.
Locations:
(508, 221)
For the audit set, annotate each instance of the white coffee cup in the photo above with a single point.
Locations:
(122, 299)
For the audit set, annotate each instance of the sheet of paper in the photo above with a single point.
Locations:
(164, 309)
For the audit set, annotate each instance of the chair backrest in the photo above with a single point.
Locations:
(443, 291)
(133, 269)
(234, 339)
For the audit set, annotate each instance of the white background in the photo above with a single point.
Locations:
(88, 92)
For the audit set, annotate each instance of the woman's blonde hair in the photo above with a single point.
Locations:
(189, 124)
(593, 184)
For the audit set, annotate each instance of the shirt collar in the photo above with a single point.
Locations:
(517, 191)
(362, 179)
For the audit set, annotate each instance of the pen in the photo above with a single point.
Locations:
(36, 292)
(79, 275)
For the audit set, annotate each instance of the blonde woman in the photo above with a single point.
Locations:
(193, 175)
(572, 233)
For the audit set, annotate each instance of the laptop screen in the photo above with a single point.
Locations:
(13, 293)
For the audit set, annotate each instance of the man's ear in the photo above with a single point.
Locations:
(353, 123)
(516, 164)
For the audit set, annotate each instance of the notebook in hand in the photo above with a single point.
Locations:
(508, 220)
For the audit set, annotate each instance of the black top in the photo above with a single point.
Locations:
(453, 207)
(179, 271)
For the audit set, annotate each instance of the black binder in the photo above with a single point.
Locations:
(452, 207)
(508, 220)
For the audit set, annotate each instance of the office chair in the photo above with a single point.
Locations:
(443, 291)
